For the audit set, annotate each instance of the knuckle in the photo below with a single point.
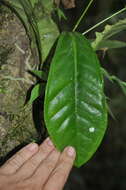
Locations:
(43, 150)
(66, 162)
(60, 172)
(49, 164)
(16, 161)
(51, 161)
(21, 156)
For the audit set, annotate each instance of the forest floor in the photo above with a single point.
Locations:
(16, 125)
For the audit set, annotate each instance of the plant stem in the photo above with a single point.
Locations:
(80, 19)
(103, 21)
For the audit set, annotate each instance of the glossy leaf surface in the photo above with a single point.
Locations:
(75, 108)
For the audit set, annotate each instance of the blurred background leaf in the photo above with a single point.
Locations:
(109, 31)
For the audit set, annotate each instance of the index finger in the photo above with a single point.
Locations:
(60, 174)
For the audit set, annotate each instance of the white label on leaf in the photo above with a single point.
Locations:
(91, 129)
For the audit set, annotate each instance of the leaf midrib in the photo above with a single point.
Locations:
(75, 77)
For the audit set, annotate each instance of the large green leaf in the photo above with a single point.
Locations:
(75, 108)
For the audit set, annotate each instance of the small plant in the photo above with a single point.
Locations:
(75, 108)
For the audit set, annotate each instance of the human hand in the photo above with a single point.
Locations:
(37, 168)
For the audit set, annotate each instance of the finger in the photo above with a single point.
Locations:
(13, 164)
(29, 167)
(46, 167)
(62, 170)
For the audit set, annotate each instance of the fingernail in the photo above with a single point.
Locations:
(49, 142)
(32, 147)
(70, 151)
